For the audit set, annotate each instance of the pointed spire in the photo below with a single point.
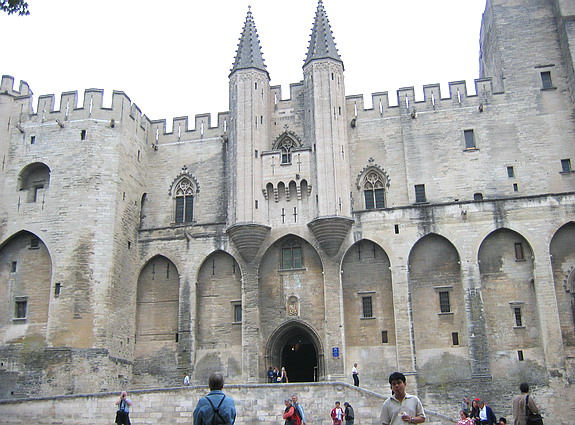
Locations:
(249, 53)
(321, 44)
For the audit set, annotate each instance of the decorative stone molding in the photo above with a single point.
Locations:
(248, 238)
(330, 232)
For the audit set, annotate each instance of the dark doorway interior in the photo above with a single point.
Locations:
(299, 357)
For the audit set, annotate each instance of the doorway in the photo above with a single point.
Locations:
(295, 346)
(300, 360)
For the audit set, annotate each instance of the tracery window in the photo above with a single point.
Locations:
(291, 255)
(373, 190)
(286, 147)
(184, 193)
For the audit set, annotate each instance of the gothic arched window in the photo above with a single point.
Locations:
(286, 147)
(184, 193)
(373, 190)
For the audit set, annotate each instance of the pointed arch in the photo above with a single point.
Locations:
(34, 179)
(562, 250)
(183, 190)
(368, 306)
(26, 273)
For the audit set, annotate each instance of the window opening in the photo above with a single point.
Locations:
(184, 201)
(57, 289)
(420, 193)
(21, 308)
(520, 355)
(291, 255)
(237, 313)
(478, 196)
(286, 148)
(519, 255)
(367, 307)
(518, 318)
(14, 266)
(34, 243)
(384, 339)
(510, 172)
(444, 305)
(546, 80)
(566, 165)
(373, 190)
(469, 139)
(515, 187)
(32, 140)
(83, 135)
(455, 338)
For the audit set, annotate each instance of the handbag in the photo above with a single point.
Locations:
(530, 417)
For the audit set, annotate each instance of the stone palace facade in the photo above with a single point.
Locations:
(435, 236)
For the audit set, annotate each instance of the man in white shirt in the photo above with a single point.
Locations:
(401, 408)
(355, 375)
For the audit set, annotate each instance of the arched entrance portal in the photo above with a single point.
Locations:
(296, 347)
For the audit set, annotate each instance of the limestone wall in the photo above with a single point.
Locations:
(255, 404)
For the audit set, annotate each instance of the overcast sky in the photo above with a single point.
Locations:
(173, 59)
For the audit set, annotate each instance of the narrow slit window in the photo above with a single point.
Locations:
(518, 317)
(237, 313)
(520, 355)
(510, 172)
(566, 165)
(519, 254)
(455, 338)
(384, 338)
(83, 135)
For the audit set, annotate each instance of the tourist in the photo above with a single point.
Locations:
(520, 403)
(401, 407)
(349, 414)
(465, 405)
(474, 414)
(289, 413)
(123, 412)
(298, 409)
(355, 375)
(337, 414)
(270, 375)
(186, 380)
(464, 418)
(283, 376)
(486, 414)
(216, 403)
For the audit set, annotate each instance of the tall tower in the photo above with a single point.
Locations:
(249, 134)
(325, 118)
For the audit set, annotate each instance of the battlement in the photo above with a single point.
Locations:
(69, 108)
(432, 98)
(7, 87)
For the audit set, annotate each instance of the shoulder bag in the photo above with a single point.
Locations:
(530, 417)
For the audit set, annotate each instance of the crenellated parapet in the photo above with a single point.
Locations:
(433, 99)
(182, 132)
(7, 87)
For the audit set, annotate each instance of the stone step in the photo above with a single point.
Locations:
(255, 404)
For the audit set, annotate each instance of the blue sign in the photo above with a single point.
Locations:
(335, 351)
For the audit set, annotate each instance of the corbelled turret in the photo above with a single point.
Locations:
(326, 128)
(249, 133)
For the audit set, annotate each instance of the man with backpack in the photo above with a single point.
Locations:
(215, 408)
(298, 410)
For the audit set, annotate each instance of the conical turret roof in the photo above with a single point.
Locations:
(321, 44)
(249, 53)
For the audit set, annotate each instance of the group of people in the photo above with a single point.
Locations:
(479, 413)
(399, 409)
(277, 376)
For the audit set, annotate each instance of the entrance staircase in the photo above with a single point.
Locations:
(256, 404)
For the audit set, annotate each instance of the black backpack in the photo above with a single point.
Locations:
(217, 412)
